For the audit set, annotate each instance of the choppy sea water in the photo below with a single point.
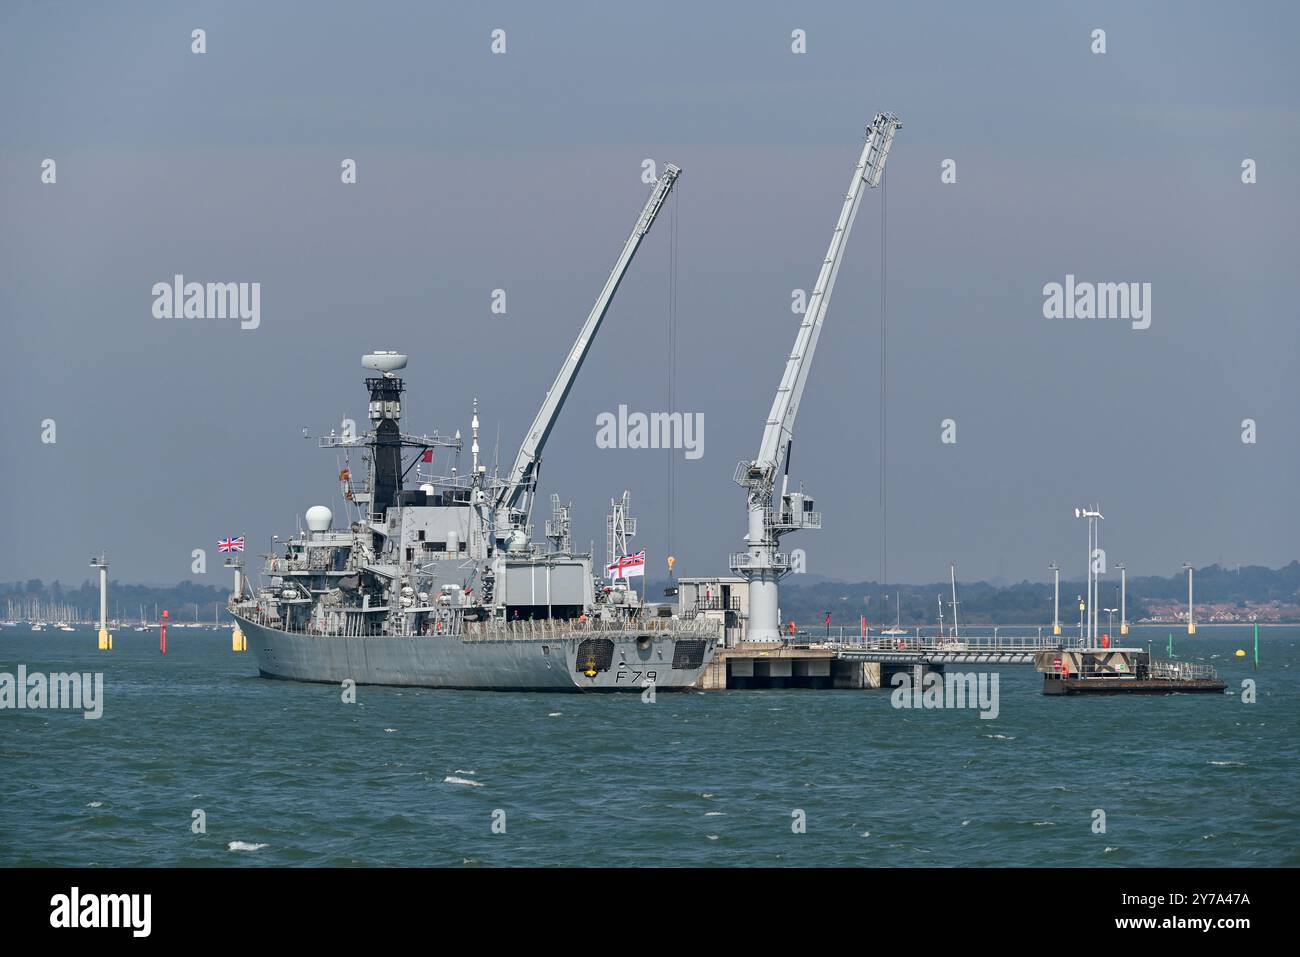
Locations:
(288, 774)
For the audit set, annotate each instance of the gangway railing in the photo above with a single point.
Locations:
(928, 643)
(1183, 670)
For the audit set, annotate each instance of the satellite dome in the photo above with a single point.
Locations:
(384, 362)
(319, 518)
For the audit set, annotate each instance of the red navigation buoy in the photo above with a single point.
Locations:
(162, 633)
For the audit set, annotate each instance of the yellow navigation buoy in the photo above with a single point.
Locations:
(1240, 653)
(237, 640)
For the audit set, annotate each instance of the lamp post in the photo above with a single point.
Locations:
(1191, 609)
(1082, 606)
(1056, 598)
(1123, 599)
(1092, 515)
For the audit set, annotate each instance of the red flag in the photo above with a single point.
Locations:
(828, 618)
(428, 456)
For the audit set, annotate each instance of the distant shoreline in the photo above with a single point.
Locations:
(1180, 627)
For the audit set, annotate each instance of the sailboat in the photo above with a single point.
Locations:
(953, 642)
(897, 631)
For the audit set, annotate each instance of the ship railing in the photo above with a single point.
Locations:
(565, 628)
(353, 626)
(278, 564)
(333, 441)
(542, 628)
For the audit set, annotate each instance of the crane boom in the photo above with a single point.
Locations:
(770, 516)
(523, 475)
(785, 406)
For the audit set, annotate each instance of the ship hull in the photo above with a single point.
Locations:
(622, 660)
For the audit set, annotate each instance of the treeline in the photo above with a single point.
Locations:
(1029, 602)
(1024, 603)
(123, 600)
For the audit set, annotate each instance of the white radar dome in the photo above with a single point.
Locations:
(319, 518)
(383, 361)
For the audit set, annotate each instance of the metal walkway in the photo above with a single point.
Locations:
(979, 649)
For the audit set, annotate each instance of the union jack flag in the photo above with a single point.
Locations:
(628, 566)
(231, 544)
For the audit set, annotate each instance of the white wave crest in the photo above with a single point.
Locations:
(452, 779)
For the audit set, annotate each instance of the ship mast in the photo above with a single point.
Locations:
(619, 527)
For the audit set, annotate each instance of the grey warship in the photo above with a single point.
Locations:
(434, 580)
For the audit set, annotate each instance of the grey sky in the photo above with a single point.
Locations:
(522, 172)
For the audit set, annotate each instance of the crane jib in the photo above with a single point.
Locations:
(523, 475)
(785, 406)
